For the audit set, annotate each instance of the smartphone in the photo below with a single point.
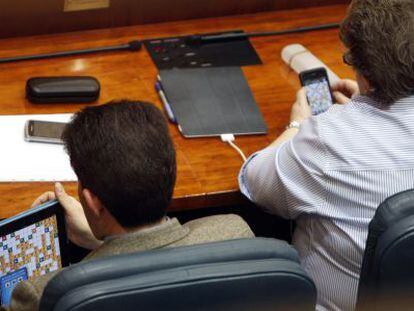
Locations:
(44, 131)
(318, 90)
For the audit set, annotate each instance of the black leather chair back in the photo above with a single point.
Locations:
(387, 274)
(245, 274)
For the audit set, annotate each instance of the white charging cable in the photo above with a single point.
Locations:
(229, 138)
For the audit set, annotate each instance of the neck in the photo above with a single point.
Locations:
(146, 226)
(117, 229)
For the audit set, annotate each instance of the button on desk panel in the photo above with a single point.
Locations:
(207, 168)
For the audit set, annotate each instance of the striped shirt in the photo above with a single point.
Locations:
(330, 178)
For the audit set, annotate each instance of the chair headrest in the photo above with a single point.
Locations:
(124, 265)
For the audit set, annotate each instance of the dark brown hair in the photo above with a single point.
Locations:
(380, 37)
(123, 153)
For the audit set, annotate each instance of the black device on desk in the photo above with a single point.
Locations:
(211, 102)
(44, 131)
(318, 89)
(32, 243)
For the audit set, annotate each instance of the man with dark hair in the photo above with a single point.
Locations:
(331, 171)
(124, 158)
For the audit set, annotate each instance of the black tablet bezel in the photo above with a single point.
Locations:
(41, 212)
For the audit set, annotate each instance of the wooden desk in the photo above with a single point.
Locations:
(207, 168)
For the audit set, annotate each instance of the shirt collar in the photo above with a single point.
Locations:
(402, 105)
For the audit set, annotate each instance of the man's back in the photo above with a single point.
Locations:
(369, 156)
(27, 295)
(331, 177)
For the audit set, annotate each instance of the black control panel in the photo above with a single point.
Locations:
(188, 52)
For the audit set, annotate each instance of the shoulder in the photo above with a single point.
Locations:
(320, 136)
(347, 137)
(346, 115)
(26, 296)
(217, 228)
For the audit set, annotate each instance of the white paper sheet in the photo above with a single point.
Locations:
(31, 161)
(301, 59)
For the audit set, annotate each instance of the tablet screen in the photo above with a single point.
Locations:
(29, 251)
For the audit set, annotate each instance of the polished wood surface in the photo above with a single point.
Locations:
(207, 168)
(28, 17)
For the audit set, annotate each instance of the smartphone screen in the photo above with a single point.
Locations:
(48, 129)
(44, 131)
(318, 90)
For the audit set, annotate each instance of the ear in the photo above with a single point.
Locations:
(93, 203)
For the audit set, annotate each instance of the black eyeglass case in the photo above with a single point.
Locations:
(62, 89)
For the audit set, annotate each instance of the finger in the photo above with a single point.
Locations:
(47, 196)
(338, 85)
(351, 86)
(350, 82)
(340, 98)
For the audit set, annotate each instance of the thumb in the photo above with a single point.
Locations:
(301, 96)
(61, 195)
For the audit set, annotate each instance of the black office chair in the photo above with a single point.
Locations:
(387, 274)
(246, 274)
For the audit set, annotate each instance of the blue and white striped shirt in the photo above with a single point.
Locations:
(330, 178)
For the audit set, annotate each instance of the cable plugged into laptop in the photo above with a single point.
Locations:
(229, 138)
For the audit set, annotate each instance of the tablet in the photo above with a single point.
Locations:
(32, 244)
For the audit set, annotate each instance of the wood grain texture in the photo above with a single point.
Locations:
(207, 168)
(47, 16)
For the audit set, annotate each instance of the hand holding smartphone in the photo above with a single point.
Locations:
(44, 131)
(318, 89)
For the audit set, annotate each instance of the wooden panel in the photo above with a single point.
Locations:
(30, 17)
(207, 168)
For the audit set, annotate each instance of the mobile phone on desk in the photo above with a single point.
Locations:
(44, 131)
(318, 89)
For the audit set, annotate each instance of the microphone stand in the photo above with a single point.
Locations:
(130, 46)
(204, 39)
(194, 40)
